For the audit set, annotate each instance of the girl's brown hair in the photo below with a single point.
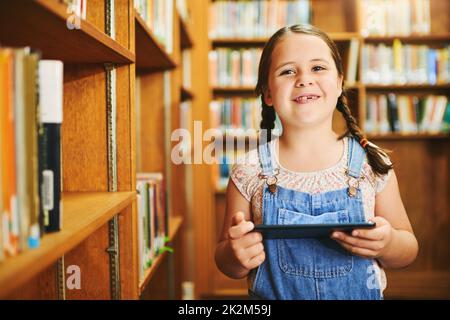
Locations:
(374, 154)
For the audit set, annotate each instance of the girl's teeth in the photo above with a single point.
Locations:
(305, 98)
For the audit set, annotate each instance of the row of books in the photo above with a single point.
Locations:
(407, 114)
(235, 113)
(230, 67)
(152, 218)
(31, 100)
(395, 18)
(405, 64)
(255, 19)
(158, 16)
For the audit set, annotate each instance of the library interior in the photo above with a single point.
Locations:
(113, 183)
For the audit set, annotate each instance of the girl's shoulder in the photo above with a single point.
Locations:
(245, 173)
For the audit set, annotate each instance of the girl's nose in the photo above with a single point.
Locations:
(300, 83)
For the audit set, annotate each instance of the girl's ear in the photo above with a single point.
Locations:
(268, 97)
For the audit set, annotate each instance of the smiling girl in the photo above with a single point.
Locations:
(311, 175)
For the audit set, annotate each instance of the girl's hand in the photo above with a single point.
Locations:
(246, 246)
(367, 243)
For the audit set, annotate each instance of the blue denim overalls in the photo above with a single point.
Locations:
(313, 268)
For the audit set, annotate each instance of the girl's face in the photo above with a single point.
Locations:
(304, 84)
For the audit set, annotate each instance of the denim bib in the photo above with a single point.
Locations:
(313, 268)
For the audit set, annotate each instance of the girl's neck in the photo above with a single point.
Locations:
(307, 141)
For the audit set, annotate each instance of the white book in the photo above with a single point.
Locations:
(436, 121)
(383, 109)
(352, 61)
(21, 216)
(140, 213)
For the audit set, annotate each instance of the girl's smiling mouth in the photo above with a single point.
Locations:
(306, 98)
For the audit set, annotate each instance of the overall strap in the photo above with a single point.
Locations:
(356, 155)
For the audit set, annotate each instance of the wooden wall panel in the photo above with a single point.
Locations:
(334, 16)
(440, 21)
(422, 169)
(95, 13)
(93, 260)
(152, 123)
(42, 287)
(84, 152)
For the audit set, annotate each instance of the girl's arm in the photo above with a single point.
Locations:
(239, 250)
(392, 242)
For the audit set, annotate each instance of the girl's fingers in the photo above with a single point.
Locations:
(373, 234)
(255, 250)
(357, 242)
(362, 252)
(237, 231)
(255, 261)
(250, 239)
(238, 218)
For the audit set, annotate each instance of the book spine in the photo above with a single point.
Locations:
(51, 108)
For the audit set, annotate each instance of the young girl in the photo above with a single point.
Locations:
(312, 175)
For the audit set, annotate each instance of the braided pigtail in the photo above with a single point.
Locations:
(268, 119)
(375, 154)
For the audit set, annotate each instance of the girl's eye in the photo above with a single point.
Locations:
(318, 68)
(289, 71)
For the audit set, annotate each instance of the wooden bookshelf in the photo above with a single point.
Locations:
(88, 207)
(84, 213)
(161, 93)
(150, 54)
(41, 24)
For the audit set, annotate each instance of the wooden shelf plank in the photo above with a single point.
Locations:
(150, 55)
(411, 136)
(186, 41)
(83, 214)
(408, 87)
(260, 42)
(186, 94)
(241, 90)
(410, 39)
(41, 24)
(174, 228)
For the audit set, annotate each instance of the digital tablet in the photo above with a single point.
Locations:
(297, 231)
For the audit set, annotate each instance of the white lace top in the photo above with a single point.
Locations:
(245, 173)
